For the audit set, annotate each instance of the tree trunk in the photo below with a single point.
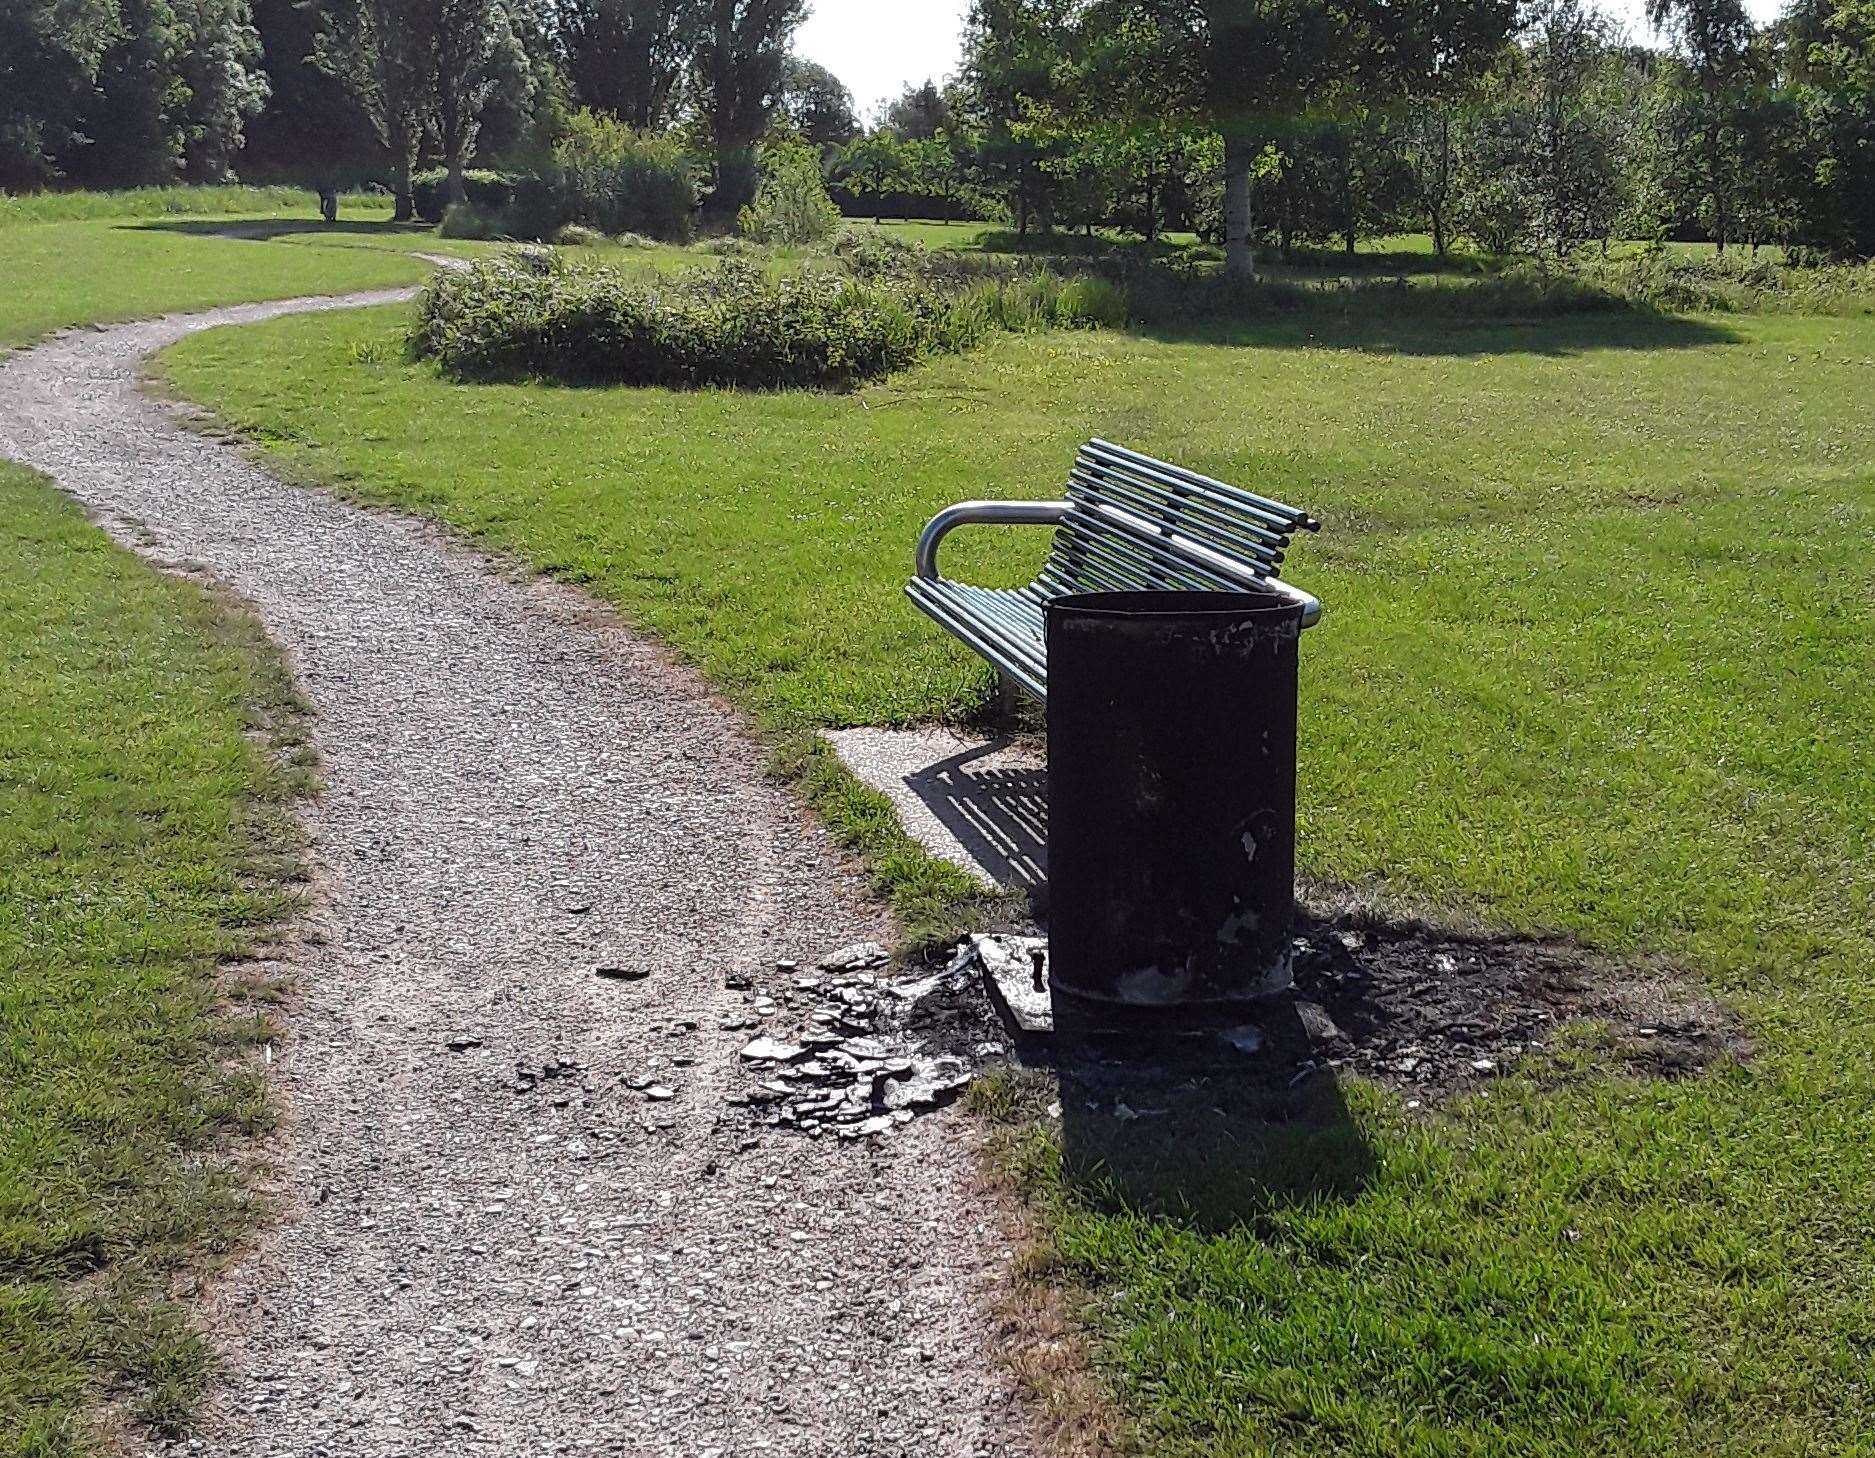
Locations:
(1239, 252)
(458, 184)
(403, 190)
(1438, 234)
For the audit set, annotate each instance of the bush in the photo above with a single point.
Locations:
(875, 253)
(729, 247)
(792, 207)
(492, 192)
(466, 220)
(617, 180)
(578, 235)
(634, 240)
(731, 325)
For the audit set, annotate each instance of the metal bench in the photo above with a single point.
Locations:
(1130, 523)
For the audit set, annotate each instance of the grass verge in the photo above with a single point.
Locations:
(104, 270)
(149, 749)
(1598, 654)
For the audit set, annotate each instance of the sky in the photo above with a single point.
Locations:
(879, 47)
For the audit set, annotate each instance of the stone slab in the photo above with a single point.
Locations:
(981, 804)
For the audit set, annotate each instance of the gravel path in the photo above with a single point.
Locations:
(519, 791)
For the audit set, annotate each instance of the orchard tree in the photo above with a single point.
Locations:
(874, 166)
(1714, 39)
(1828, 54)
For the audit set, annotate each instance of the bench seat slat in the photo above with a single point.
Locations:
(1252, 538)
(1287, 518)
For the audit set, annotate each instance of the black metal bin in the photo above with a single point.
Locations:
(1172, 795)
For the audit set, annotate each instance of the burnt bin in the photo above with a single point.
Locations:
(1172, 799)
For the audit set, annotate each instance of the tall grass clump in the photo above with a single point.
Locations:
(1735, 283)
(153, 202)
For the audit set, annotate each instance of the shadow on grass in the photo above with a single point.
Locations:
(1300, 264)
(1369, 321)
(262, 231)
(1200, 1144)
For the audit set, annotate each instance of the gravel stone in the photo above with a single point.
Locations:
(489, 742)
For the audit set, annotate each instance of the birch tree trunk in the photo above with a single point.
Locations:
(1239, 253)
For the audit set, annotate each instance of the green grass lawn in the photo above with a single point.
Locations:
(98, 270)
(1599, 658)
(143, 838)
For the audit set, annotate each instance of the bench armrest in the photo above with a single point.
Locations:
(1310, 604)
(998, 513)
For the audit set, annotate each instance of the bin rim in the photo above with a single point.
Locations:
(1174, 603)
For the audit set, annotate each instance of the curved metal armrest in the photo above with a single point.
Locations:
(1311, 605)
(999, 513)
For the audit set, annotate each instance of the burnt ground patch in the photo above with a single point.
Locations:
(1220, 1126)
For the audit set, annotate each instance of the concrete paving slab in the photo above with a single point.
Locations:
(981, 804)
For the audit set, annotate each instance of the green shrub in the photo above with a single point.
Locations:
(492, 192)
(634, 240)
(875, 253)
(731, 325)
(466, 220)
(578, 235)
(792, 207)
(617, 180)
(730, 247)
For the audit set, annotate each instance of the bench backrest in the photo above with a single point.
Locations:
(1139, 523)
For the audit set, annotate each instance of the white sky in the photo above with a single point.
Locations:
(878, 47)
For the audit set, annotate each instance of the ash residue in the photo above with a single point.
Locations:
(1431, 1010)
(870, 1052)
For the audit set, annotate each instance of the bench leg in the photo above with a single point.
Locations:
(1008, 701)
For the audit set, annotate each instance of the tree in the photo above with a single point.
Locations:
(1541, 165)
(380, 50)
(1016, 55)
(1429, 140)
(311, 128)
(1714, 39)
(817, 104)
(1827, 54)
(423, 69)
(475, 53)
(740, 69)
(50, 52)
(630, 57)
(875, 165)
(919, 114)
